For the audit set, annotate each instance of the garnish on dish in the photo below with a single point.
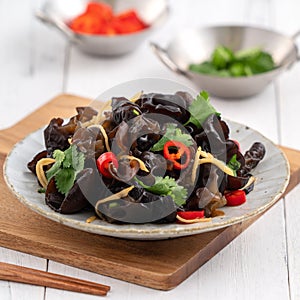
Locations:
(153, 158)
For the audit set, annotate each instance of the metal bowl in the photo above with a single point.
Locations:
(59, 12)
(197, 45)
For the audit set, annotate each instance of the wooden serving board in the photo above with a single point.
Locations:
(156, 264)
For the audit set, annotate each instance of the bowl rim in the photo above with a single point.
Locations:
(274, 71)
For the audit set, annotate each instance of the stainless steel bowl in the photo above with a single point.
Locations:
(59, 12)
(196, 45)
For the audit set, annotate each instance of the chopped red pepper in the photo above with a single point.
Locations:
(98, 18)
(127, 22)
(103, 162)
(235, 198)
(86, 23)
(101, 10)
(191, 215)
(178, 153)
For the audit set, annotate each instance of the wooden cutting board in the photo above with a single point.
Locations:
(156, 264)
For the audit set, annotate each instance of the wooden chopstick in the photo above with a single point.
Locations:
(21, 274)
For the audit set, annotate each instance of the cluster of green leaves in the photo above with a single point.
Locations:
(167, 186)
(175, 134)
(226, 63)
(234, 164)
(200, 109)
(67, 165)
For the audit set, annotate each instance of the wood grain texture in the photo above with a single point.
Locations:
(156, 264)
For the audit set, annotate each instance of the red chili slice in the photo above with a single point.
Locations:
(235, 198)
(191, 215)
(103, 162)
(178, 153)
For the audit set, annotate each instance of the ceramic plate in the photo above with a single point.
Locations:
(272, 176)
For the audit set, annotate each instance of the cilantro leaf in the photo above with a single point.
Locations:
(64, 180)
(59, 156)
(175, 134)
(67, 165)
(77, 160)
(234, 164)
(167, 186)
(201, 109)
(179, 195)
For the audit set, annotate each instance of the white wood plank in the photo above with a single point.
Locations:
(13, 290)
(118, 287)
(293, 229)
(253, 266)
(290, 107)
(31, 59)
(288, 82)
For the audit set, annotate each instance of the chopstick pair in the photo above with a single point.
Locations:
(21, 274)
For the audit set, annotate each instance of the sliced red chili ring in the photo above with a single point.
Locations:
(178, 153)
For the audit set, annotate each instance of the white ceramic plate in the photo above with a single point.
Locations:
(272, 178)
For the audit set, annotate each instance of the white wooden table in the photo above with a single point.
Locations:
(36, 63)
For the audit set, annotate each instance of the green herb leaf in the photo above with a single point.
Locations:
(262, 63)
(167, 186)
(59, 157)
(233, 164)
(175, 134)
(225, 63)
(42, 190)
(237, 69)
(64, 180)
(204, 68)
(179, 195)
(221, 57)
(201, 109)
(67, 163)
(77, 160)
(66, 167)
(248, 53)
